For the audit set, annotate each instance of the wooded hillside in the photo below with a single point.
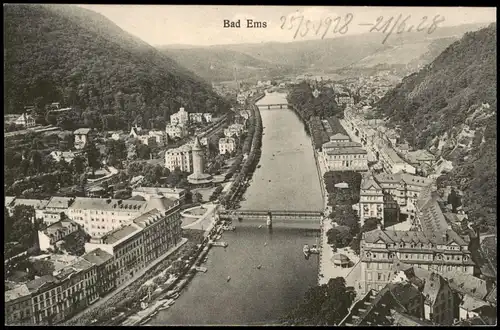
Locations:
(450, 107)
(75, 56)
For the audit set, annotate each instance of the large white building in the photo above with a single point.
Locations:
(226, 145)
(99, 216)
(208, 117)
(181, 157)
(196, 117)
(176, 131)
(180, 118)
(371, 200)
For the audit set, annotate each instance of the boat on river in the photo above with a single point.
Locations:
(314, 249)
(306, 250)
(258, 166)
(259, 266)
(201, 269)
(228, 278)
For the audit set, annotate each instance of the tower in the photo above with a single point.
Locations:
(197, 157)
(198, 177)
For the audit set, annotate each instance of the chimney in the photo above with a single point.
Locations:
(379, 226)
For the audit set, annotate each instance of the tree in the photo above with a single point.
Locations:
(79, 164)
(93, 157)
(326, 304)
(197, 197)
(454, 200)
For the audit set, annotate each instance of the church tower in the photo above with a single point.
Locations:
(198, 160)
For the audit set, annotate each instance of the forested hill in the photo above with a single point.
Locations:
(450, 107)
(80, 58)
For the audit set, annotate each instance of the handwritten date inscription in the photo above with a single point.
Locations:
(340, 25)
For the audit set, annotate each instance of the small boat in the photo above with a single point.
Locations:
(175, 296)
(258, 166)
(306, 250)
(260, 226)
(259, 266)
(265, 244)
(314, 249)
(228, 278)
(269, 180)
(205, 259)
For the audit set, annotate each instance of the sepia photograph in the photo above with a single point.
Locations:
(216, 165)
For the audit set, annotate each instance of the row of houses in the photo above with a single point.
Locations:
(109, 262)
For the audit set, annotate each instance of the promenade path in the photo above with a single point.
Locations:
(138, 275)
(327, 269)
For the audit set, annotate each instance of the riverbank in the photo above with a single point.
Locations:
(240, 183)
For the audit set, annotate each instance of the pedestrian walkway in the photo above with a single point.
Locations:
(130, 281)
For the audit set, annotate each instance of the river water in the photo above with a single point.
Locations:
(286, 180)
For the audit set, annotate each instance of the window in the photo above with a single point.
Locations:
(379, 276)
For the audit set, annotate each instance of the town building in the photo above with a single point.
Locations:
(420, 158)
(37, 204)
(226, 145)
(54, 233)
(439, 298)
(208, 117)
(82, 137)
(404, 188)
(176, 131)
(136, 131)
(161, 138)
(18, 307)
(179, 118)
(171, 193)
(198, 176)
(371, 200)
(137, 244)
(25, 120)
(234, 130)
(345, 158)
(397, 304)
(105, 269)
(196, 117)
(391, 161)
(181, 158)
(473, 295)
(98, 215)
(433, 251)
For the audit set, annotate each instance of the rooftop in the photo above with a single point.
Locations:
(341, 144)
(88, 203)
(159, 190)
(466, 284)
(16, 293)
(84, 131)
(39, 282)
(417, 237)
(38, 204)
(97, 257)
(346, 150)
(339, 136)
(367, 182)
(117, 235)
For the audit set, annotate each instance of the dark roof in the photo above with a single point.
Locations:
(404, 293)
(97, 256)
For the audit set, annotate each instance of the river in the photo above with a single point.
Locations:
(287, 179)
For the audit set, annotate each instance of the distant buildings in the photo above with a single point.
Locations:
(208, 117)
(25, 120)
(234, 130)
(38, 204)
(196, 117)
(82, 137)
(181, 157)
(176, 131)
(179, 118)
(55, 232)
(18, 306)
(227, 145)
(55, 207)
(160, 138)
(149, 192)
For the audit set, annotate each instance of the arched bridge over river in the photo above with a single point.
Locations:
(280, 218)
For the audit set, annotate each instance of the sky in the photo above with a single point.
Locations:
(203, 25)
